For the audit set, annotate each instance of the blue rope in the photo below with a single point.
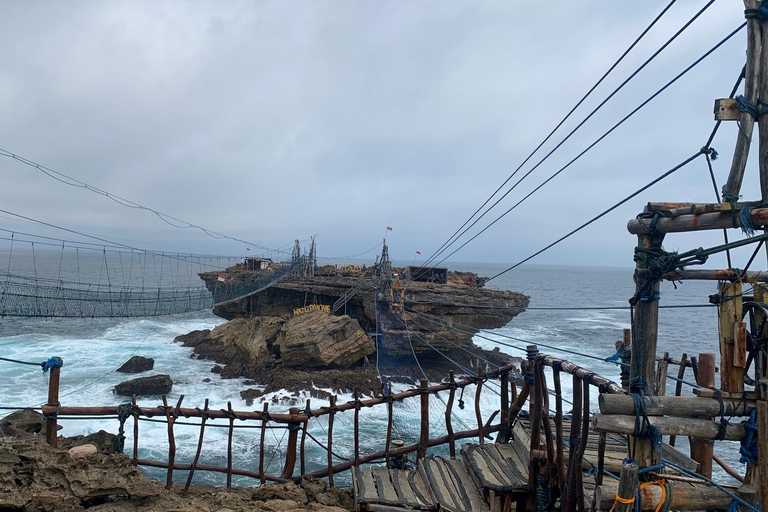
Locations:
(621, 353)
(747, 107)
(749, 450)
(746, 221)
(53, 362)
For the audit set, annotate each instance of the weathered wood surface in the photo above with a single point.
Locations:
(680, 406)
(702, 451)
(731, 375)
(623, 497)
(703, 429)
(704, 221)
(451, 485)
(678, 209)
(51, 427)
(726, 109)
(752, 276)
(684, 497)
(497, 467)
(607, 385)
(395, 488)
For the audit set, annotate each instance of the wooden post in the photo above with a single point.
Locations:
(424, 436)
(356, 395)
(135, 460)
(761, 295)
(170, 418)
(51, 423)
(559, 427)
(701, 450)
(679, 385)
(626, 344)
(388, 441)
(625, 497)
(548, 437)
(762, 448)
(751, 93)
(749, 494)
(534, 412)
(331, 414)
(731, 375)
(293, 437)
(478, 414)
(448, 412)
(661, 375)
(503, 436)
(199, 447)
(230, 435)
(262, 444)
(302, 455)
(601, 441)
(644, 340)
(574, 464)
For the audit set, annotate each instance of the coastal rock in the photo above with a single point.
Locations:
(82, 451)
(137, 364)
(313, 486)
(102, 440)
(154, 385)
(249, 394)
(24, 423)
(280, 492)
(317, 340)
(193, 338)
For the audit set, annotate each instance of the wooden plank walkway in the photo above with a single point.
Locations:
(379, 488)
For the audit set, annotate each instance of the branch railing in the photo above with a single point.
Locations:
(296, 422)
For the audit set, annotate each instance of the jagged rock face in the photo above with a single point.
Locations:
(143, 386)
(34, 475)
(137, 364)
(320, 340)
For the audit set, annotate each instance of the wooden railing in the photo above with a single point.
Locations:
(296, 422)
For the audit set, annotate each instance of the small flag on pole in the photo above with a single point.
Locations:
(389, 228)
(222, 278)
(418, 252)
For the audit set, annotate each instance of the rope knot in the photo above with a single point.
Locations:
(52, 362)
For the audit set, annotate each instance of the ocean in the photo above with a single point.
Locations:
(93, 348)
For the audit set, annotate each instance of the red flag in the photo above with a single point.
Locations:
(418, 252)
(222, 278)
(389, 228)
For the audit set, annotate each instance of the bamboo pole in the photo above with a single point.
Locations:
(661, 375)
(448, 422)
(424, 434)
(554, 478)
(207, 467)
(534, 412)
(388, 441)
(574, 464)
(193, 466)
(716, 275)
(51, 424)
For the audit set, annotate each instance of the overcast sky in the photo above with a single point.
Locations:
(271, 121)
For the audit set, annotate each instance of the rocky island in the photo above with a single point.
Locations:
(311, 332)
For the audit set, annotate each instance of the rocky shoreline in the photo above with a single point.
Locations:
(85, 473)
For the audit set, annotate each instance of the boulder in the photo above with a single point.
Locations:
(154, 385)
(82, 451)
(242, 341)
(193, 338)
(249, 394)
(137, 364)
(321, 340)
(313, 486)
(24, 423)
(102, 440)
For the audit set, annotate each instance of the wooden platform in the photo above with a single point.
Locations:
(496, 467)
(453, 487)
(379, 488)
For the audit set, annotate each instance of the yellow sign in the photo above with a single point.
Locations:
(312, 307)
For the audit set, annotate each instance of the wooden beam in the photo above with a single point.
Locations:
(678, 209)
(684, 497)
(705, 221)
(703, 429)
(702, 450)
(678, 406)
(731, 375)
(751, 91)
(759, 276)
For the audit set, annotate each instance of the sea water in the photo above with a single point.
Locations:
(92, 349)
